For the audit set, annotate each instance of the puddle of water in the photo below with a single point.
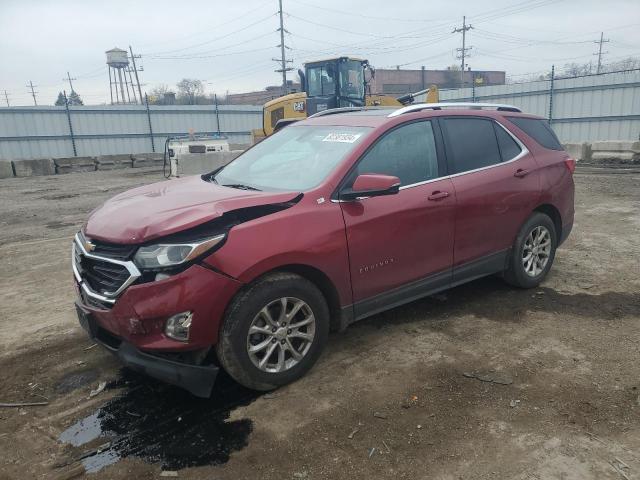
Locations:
(162, 424)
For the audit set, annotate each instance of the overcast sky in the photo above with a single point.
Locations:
(229, 45)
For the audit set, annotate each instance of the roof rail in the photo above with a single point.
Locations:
(334, 111)
(439, 106)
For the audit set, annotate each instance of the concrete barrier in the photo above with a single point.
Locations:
(239, 146)
(34, 167)
(579, 151)
(6, 169)
(616, 152)
(147, 160)
(75, 164)
(113, 162)
(202, 163)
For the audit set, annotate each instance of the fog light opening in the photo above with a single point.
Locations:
(177, 326)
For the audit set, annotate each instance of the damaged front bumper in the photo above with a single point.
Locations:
(197, 379)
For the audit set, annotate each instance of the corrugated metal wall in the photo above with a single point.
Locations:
(584, 109)
(40, 132)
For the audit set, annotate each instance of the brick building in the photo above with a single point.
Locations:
(260, 97)
(399, 82)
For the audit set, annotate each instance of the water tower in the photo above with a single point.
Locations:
(119, 85)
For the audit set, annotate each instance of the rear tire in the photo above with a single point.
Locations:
(288, 319)
(533, 252)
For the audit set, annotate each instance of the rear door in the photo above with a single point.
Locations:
(403, 241)
(497, 186)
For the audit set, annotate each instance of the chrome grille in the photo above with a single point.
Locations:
(102, 277)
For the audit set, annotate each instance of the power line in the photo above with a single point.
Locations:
(208, 30)
(33, 92)
(227, 54)
(368, 51)
(361, 15)
(425, 58)
(463, 51)
(363, 34)
(512, 10)
(206, 53)
(505, 38)
(600, 52)
(213, 39)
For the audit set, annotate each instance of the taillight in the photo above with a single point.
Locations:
(571, 165)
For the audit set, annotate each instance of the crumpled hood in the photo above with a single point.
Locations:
(163, 208)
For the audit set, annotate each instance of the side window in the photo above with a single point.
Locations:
(472, 143)
(408, 152)
(539, 130)
(509, 149)
(276, 115)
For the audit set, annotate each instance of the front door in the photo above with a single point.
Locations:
(401, 246)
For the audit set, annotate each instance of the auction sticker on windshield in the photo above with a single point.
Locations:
(342, 137)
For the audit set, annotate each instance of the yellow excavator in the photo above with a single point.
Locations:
(331, 83)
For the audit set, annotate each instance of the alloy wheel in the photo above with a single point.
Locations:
(281, 334)
(536, 251)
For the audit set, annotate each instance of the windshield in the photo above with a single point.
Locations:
(321, 80)
(296, 158)
(351, 81)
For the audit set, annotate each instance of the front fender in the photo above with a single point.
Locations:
(307, 234)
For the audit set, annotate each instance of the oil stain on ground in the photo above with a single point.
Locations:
(162, 424)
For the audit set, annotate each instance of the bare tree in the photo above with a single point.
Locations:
(190, 90)
(575, 70)
(161, 95)
(630, 63)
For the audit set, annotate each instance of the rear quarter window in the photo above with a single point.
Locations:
(509, 149)
(539, 130)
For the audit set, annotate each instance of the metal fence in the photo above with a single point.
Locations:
(42, 132)
(581, 109)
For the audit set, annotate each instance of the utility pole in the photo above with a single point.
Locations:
(135, 69)
(600, 52)
(133, 90)
(68, 79)
(33, 92)
(283, 59)
(463, 50)
(6, 98)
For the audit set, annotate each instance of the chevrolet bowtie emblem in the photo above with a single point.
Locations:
(88, 246)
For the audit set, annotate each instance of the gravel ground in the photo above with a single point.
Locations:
(481, 382)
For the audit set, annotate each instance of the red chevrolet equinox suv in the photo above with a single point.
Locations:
(328, 221)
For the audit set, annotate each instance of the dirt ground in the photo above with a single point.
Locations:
(481, 382)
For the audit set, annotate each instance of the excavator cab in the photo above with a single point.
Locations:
(333, 83)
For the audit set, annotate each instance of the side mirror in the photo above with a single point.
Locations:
(371, 185)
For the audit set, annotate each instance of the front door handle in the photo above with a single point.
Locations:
(521, 172)
(438, 195)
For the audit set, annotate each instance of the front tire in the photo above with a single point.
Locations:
(533, 252)
(274, 331)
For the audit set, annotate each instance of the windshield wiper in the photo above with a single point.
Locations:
(240, 186)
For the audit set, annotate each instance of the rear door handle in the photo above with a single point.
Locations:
(438, 195)
(521, 172)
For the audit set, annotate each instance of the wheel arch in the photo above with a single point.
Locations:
(323, 283)
(553, 213)
(317, 277)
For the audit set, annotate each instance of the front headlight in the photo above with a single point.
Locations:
(171, 254)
